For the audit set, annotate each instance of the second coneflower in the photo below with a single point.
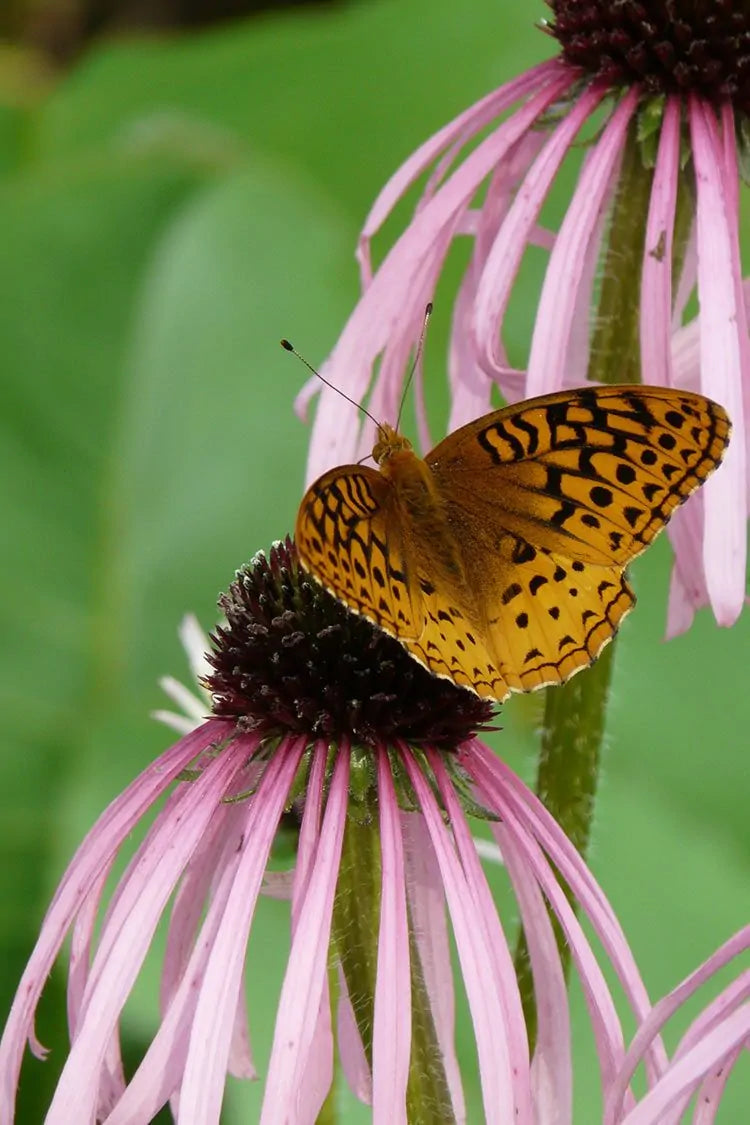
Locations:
(317, 714)
(657, 95)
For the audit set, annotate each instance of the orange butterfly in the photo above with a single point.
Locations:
(498, 561)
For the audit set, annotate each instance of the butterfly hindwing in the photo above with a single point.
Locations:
(547, 616)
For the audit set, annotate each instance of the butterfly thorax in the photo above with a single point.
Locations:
(422, 517)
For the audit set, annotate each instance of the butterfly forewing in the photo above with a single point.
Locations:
(593, 474)
(541, 505)
(342, 537)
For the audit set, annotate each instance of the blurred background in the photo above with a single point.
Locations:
(181, 183)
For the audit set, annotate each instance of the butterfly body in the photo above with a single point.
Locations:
(498, 560)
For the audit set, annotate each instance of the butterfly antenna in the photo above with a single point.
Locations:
(290, 348)
(417, 357)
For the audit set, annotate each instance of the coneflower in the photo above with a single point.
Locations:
(657, 93)
(318, 714)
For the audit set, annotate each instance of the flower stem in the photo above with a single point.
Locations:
(356, 915)
(615, 345)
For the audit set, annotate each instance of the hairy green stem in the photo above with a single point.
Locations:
(615, 345)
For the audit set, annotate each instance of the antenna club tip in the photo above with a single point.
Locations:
(286, 345)
(428, 309)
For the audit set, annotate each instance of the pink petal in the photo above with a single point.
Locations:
(466, 373)
(655, 1020)
(392, 1020)
(240, 1061)
(552, 1066)
(680, 607)
(351, 1050)
(555, 314)
(160, 1071)
(127, 933)
(206, 1065)
(518, 806)
(317, 1068)
(499, 1090)
(712, 1087)
(677, 1085)
(301, 992)
(656, 278)
(189, 901)
(427, 906)
(488, 917)
(731, 186)
(468, 123)
(93, 856)
(504, 259)
(390, 314)
(721, 370)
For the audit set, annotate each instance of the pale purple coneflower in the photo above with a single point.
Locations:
(657, 94)
(317, 712)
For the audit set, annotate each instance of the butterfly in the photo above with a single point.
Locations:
(498, 561)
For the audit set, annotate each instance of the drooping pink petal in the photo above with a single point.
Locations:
(210, 1039)
(392, 1019)
(725, 540)
(240, 1060)
(128, 931)
(424, 888)
(503, 261)
(461, 129)
(93, 856)
(519, 807)
(711, 1088)
(111, 1075)
(389, 316)
(652, 1023)
(656, 276)
(688, 590)
(680, 607)
(552, 1065)
(557, 303)
(579, 340)
(731, 185)
(317, 1068)
(688, 278)
(499, 1086)
(351, 1049)
(602, 1011)
(487, 916)
(305, 975)
(160, 1072)
(674, 1089)
(471, 383)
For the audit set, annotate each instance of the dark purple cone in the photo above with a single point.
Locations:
(291, 658)
(668, 46)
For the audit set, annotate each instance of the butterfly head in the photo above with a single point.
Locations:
(389, 441)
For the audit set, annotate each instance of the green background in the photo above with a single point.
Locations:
(168, 210)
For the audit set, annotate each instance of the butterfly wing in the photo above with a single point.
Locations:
(593, 474)
(551, 499)
(354, 538)
(342, 538)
